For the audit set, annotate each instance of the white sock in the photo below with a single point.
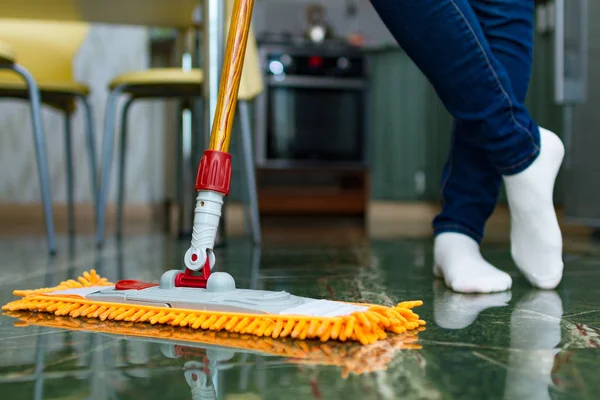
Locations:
(459, 262)
(458, 311)
(536, 240)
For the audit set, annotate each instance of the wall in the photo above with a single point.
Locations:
(582, 159)
(106, 52)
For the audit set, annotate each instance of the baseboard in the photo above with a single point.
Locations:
(393, 219)
(384, 219)
(22, 219)
(28, 219)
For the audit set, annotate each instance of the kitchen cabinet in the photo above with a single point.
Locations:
(401, 116)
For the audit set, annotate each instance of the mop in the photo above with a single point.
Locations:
(198, 298)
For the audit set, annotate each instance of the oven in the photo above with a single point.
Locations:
(313, 111)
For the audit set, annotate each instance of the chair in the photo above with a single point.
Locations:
(7, 62)
(186, 85)
(44, 75)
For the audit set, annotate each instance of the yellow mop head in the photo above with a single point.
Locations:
(94, 297)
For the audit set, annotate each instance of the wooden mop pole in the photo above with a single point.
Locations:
(235, 53)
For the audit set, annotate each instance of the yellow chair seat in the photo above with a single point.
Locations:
(162, 82)
(158, 77)
(7, 53)
(59, 88)
(60, 95)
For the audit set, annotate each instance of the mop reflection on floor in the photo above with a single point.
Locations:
(354, 358)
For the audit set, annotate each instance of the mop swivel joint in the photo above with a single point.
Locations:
(212, 184)
(207, 215)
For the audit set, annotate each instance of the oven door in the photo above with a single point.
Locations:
(310, 121)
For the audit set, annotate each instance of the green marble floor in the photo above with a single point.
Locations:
(525, 344)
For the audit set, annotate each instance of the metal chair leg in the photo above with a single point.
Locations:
(188, 178)
(182, 191)
(107, 153)
(69, 174)
(40, 152)
(244, 190)
(244, 187)
(178, 168)
(91, 145)
(122, 163)
(249, 170)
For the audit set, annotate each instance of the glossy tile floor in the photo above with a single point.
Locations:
(525, 344)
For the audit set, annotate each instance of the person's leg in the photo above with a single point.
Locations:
(469, 188)
(535, 235)
(508, 26)
(470, 183)
(446, 41)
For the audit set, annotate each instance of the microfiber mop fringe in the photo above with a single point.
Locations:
(365, 327)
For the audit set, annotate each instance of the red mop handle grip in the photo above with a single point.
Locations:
(214, 172)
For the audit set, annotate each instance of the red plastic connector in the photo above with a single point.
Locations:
(190, 352)
(214, 172)
(188, 279)
(133, 285)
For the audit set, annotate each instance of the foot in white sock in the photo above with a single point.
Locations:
(459, 262)
(536, 240)
(458, 311)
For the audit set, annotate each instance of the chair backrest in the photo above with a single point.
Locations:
(7, 53)
(251, 84)
(45, 48)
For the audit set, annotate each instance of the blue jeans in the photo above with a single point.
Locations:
(477, 54)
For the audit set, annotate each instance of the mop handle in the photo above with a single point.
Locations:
(213, 180)
(235, 52)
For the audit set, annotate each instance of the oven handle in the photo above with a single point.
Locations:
(318, 83)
